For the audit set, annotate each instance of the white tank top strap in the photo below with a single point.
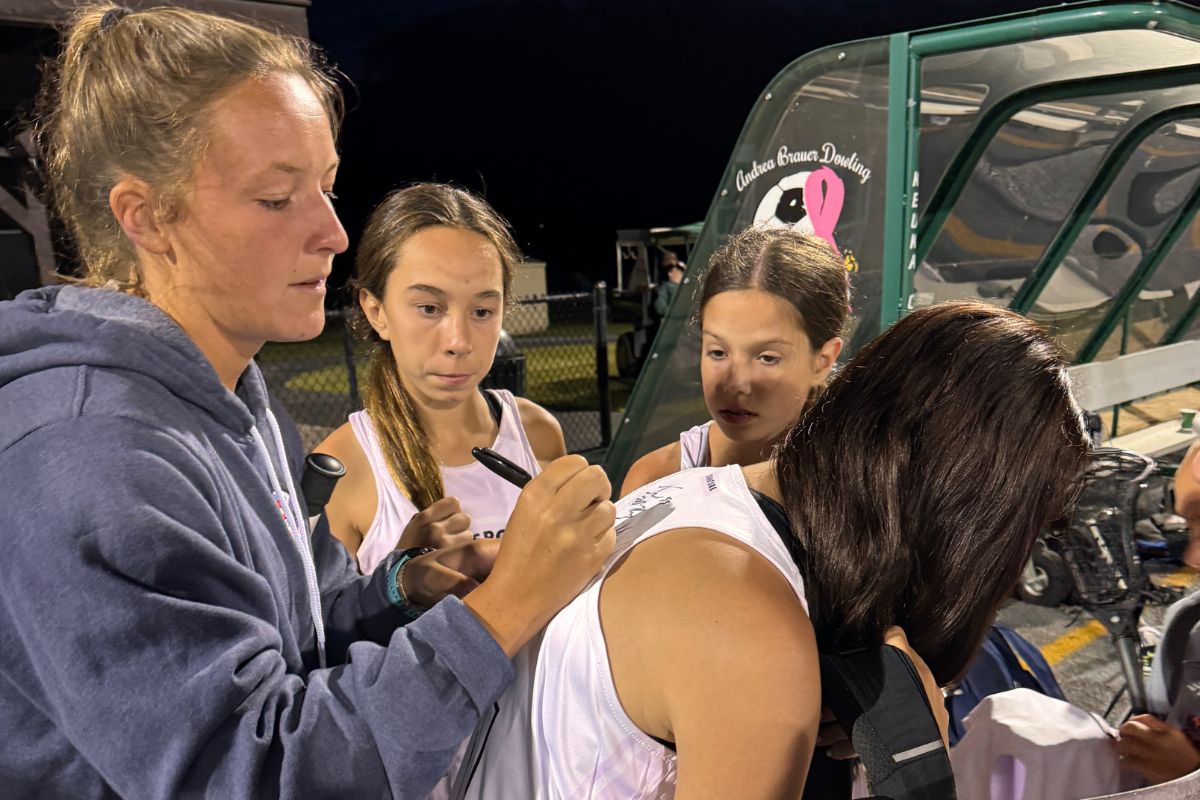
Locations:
(513, 432)
(485, 497)
(693, 447)
(392, 511)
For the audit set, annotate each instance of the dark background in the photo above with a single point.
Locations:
(574, 118)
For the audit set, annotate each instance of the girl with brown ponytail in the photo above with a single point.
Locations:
(434, 274)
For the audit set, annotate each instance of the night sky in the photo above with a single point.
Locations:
(574, 118)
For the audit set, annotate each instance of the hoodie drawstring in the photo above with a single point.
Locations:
(288, 504)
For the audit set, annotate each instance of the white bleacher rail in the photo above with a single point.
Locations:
(1104, 384)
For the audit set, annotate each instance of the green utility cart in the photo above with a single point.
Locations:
(1047, 161)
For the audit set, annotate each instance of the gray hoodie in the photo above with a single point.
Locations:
(156, 632)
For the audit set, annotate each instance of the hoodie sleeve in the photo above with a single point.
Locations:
(132, 626)
(355, 608)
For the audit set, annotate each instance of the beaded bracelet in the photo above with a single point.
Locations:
(395, 584)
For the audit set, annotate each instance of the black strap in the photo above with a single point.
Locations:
(878, 698)
(876, 694)
(494, 405)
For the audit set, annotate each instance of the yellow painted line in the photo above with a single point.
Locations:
(1181, 578)
(1078, 638)
(1071, 641)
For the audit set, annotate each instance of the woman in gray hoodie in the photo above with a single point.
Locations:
(168, 625)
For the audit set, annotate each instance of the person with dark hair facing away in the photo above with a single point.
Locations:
(771, 309)
(170, 625)
(915, 488)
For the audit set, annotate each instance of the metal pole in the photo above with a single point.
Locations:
(902, 133)
(1131, 665)
(348, 348)
(600, 319)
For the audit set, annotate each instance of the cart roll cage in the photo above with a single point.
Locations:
(1048, 161)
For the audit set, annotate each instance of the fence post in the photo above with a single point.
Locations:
(600, 317)
(348, 348)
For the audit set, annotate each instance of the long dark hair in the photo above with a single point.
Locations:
(918, 483)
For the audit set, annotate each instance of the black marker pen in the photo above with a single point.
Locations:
(501, 466)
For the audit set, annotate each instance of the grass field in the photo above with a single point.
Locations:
(561, 377)
(327, 345)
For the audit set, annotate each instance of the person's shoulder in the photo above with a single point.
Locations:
(71, 391)
(342, 443)
(707, 587)
(92, 468)
(710, 647)
(698, 597)
(38, 399)
(697, 564)
(542, 429)
(654, 465)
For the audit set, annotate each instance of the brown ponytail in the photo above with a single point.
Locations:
(398, 426)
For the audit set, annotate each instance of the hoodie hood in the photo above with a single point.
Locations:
(73, 326)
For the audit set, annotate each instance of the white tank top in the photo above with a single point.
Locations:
(559, 731)
(693, 447)
(486, 498)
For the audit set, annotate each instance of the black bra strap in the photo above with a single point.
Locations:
(494, 405)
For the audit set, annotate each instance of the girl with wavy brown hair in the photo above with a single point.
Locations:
(433, 280)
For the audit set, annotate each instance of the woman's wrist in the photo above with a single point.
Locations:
(399, 595)
(507, 616)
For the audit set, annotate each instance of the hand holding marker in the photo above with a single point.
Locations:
(559, 534)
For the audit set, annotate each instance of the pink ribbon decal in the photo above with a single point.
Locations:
(824, 194)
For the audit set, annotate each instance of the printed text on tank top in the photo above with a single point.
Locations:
(485, 497)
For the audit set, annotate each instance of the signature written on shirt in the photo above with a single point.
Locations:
(657, 497)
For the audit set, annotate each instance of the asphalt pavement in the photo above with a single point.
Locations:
(1079, 649)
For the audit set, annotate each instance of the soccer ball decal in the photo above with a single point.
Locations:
(783, 204)
(809, 201)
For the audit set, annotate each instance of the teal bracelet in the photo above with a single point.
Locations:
(395, 585)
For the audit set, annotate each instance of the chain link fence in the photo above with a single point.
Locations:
(556, 351)
(317, 380)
